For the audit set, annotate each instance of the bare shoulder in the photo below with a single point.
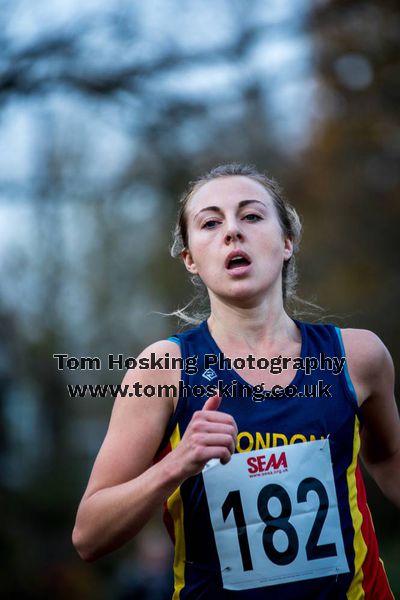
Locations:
(365, 347)
(158, 364)
(368, 360)
(158, 355)
(162, 347)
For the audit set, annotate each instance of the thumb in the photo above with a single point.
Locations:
(212, 403)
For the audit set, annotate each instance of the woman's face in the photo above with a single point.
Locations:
(235, 216)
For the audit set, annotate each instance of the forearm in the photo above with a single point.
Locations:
(112, 516)
(387, 475)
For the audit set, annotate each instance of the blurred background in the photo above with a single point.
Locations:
(107, 110)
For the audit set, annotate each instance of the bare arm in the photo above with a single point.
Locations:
(124, 488)
(372, 371)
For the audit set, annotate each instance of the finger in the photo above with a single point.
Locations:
(212, 403)
(213, 416)
(207, 426)
(216, 439)
(217, 452)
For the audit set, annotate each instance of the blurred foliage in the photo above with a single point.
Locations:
(116, 129)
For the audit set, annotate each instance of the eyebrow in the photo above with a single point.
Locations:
(240, 205)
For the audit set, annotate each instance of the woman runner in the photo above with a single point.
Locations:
(281, 512)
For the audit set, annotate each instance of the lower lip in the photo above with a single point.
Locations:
(238, 271)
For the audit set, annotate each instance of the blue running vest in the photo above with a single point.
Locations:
(268, 423)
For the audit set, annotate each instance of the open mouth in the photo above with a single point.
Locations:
(237, 261)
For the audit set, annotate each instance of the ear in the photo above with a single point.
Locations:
(288, 249)
(188, 261)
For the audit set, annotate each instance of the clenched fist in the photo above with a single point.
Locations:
(210, 434)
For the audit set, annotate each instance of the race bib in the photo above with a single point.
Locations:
(275, 516)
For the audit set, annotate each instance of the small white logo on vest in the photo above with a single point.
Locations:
(209, 374)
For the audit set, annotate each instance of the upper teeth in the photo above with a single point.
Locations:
(237, 258)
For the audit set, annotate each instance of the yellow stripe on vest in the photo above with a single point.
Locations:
(356, 591)
(175, 508)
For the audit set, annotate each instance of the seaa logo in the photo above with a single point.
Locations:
(261, 466)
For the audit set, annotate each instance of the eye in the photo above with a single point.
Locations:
(209, 224)
(252, 218)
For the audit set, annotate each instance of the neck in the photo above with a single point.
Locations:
(255, 326)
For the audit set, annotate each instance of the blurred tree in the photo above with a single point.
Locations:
(350, 173)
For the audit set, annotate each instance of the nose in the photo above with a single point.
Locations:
(233, 233)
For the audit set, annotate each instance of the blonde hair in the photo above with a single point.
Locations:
(288, 219)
